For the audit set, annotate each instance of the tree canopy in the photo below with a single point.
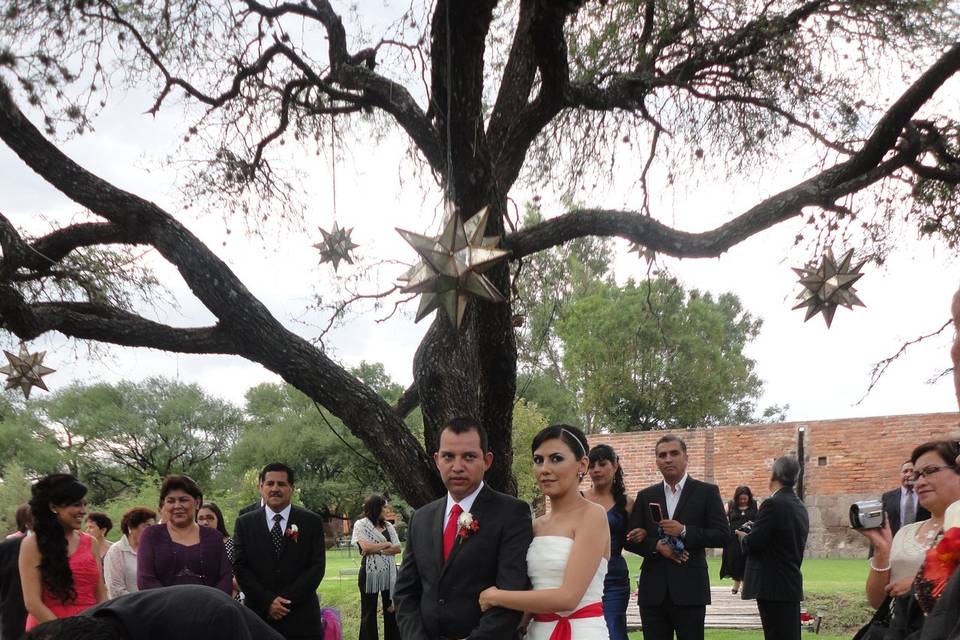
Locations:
(489, 94)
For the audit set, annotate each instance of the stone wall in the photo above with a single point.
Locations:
(844, 461)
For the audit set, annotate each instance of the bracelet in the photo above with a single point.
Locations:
(883, 570)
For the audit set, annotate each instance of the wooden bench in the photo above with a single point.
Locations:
(349, 571)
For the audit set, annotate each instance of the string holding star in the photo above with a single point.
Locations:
(452, 266)
(25, 370)
(336, 246)
(829, 286)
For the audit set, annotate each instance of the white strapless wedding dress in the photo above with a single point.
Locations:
(546, 564)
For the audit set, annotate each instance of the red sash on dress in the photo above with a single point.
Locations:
(562, 630)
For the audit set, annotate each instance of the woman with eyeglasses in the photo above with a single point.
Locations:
(179, 551)
(896, 559)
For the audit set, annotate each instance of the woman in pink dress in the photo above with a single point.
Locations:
(59, 563)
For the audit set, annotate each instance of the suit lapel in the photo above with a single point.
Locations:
(285, 541)
(476, 511)
(261, 533)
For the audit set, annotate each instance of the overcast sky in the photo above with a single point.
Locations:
(819, 373)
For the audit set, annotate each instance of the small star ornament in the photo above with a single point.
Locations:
(25, 370)
(643, 252)
(452, 266)
(829, 286)
(336, 246)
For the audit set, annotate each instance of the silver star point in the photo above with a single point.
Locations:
(452, 266)
(25, 370)
(829, 286)
(336, 246)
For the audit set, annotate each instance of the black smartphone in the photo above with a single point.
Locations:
(656, 513)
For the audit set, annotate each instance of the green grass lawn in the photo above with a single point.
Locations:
(834, 587)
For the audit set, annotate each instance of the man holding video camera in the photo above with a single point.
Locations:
(774, 548)
(671, 524)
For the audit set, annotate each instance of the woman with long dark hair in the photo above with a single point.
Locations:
(59, 564)
(741, 510)
(610, 492)
(379, 544)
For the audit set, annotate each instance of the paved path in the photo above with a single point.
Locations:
(728, 611)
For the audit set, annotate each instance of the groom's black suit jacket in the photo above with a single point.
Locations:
(700, 509)
(295, 574)
(441, 600)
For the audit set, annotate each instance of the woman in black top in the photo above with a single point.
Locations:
(741, 510)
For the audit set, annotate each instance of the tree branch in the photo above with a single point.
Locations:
(408, 401)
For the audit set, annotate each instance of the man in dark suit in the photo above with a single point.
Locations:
(183, 612)
(280, 557)
(774, 548)
(13, 613)
(674, 588)
(901, 504)
(446, 564)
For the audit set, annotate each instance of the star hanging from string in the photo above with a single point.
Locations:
(644, 252)
(336, 246)
(452, 266)
(828, 286)
(25, 370)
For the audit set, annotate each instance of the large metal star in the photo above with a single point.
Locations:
(453, 265)
(828, 286)
(336, 246)
(25, 370)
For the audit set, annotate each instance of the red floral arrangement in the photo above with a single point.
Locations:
(939, 564)
(467, 526)
(292, 532)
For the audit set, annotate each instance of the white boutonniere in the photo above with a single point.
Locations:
(293, 532)
(467, 526)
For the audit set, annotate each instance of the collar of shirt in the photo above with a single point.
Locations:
(285, 516)
(465, 504)
(669, 490)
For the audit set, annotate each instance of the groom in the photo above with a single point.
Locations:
(457, 546)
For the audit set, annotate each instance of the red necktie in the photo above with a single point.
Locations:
(450, 531)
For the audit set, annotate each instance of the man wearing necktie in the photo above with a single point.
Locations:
(901, 504)
(280, 558)
(457, 546)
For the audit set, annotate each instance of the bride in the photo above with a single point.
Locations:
(567, 560)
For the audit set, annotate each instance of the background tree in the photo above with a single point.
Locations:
(651, 355)
(115, 435)
(556, 91)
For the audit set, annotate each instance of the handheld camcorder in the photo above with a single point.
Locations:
(866, 514)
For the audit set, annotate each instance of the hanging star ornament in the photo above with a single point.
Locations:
(644, 252)
(828, 286)
(336, 246)
(452, 267)
(25, 370)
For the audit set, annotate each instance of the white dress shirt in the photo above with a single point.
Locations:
(673, 497)
(465, 504)
(120, 569)
(284, 520)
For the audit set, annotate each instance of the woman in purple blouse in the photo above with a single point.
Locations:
(179, 551)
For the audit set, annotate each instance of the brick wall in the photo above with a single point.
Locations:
(845, 461)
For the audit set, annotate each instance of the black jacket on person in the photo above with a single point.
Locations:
(13, 613)
(295, 574)
(700, 509)
(184, 612)
(891, 506)
(774, 549)
(441, 599)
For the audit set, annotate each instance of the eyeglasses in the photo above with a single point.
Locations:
(926, 471)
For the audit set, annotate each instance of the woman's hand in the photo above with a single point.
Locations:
(488, 598)
(881, 538)
(636, 535)
(900, 587)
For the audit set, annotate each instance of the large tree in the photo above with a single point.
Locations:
(553, 87)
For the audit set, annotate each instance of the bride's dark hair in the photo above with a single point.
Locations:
(570, 435)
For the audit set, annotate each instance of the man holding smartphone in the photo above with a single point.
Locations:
(674, 588)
